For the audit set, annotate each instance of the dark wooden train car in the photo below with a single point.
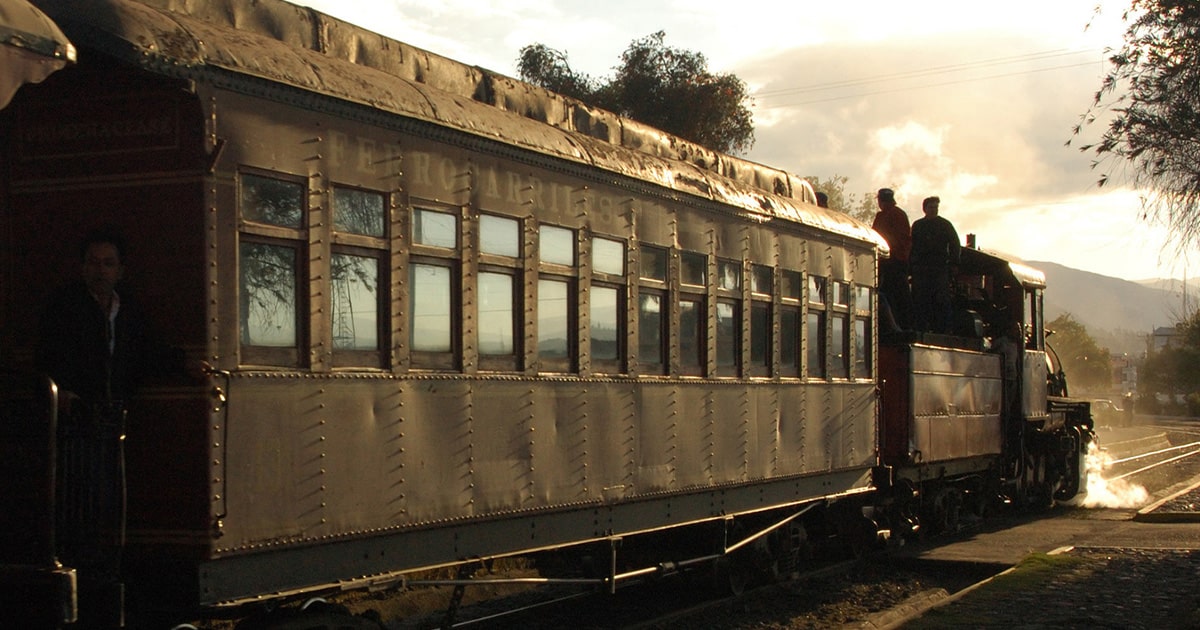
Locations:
(970, 416)
(448, 315)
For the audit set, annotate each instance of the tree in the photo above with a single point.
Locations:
(861, 208)
(1152, 91)
(1174, 370)
(668, 88)
(1088, 366)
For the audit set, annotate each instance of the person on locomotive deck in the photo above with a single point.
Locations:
(891, 222)
(94, 340)
(935, 254)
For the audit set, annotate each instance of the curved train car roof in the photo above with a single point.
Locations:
(1001, 264)
(233, 43)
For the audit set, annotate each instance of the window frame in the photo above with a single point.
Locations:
(791, 304)
(817, 299)
(616, 280)
(691, 292)
(569, 275)
(863, 363)
(761, 326)
(448, 360)
(367, 246)
(514, 267)
(252, 231)
(660, 287)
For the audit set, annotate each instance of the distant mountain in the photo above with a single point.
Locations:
(1118, 313)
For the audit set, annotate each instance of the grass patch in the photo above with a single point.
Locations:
(1004, 594)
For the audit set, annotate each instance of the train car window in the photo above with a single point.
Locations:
(437, 229)
(356, 302)
(555, 312)
(272, 201)
(359, 212)
(862, 300)
(1035, 332)
(653, 263)
(841, 293)
(816, 328)
(691, 336)
(760, 338)
(791, 290)
(693, 268)
(500, 293)
(432, 317)
(500, 236)
(863, 333)
(729, 274)
(358, 278)
(272, 243)
(268, 298)
(729, 318)
(762, 279)
(816, 290)
(606, 315)
(556, 245)
(497, 316)
(608, 256)
(840, 331)
(789, 341)
(791, 285)
(607, 306)
(839, 337)
(651, 329)
(729, 336)
(816, 344)
(862, 348)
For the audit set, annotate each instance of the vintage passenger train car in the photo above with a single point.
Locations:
(450, 316)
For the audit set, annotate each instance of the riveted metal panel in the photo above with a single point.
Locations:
(731, 427)
(695, 231)
(956, 398)
(794, 424)
(793, 252)
(656, 445)
(1033, 384)
(693, 466)
(763, 432)
(761, 245)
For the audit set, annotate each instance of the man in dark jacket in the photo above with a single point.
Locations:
(935, 253)
(891, 222)
(95, 342)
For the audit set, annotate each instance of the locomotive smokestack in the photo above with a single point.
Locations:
(971, 241)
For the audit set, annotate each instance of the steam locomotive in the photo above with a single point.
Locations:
(450, 317)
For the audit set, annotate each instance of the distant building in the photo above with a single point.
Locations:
(1165, 337)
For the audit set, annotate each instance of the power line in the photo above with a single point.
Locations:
(923, 72)
(930, 85)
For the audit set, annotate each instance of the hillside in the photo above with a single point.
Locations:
(1118, 313)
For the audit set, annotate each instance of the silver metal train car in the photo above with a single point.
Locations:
(446, 316)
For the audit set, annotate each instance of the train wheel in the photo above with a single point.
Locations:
(731, 574)
(946, 509)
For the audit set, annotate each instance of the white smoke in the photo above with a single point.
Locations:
(1105, 493)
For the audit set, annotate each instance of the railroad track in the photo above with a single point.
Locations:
(878, 590)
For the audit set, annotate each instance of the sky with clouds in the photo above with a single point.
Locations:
(969, 101)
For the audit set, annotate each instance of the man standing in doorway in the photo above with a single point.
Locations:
(935, 252)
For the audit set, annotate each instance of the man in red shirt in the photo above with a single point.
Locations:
(891, 223)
